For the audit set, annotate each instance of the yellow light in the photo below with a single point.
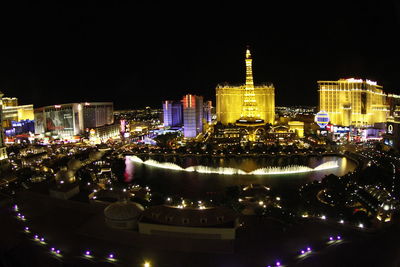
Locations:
(147, 264)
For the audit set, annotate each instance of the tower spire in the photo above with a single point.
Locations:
(249, 108)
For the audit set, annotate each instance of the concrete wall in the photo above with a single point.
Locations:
(190, 232)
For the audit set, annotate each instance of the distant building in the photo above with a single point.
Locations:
(17, 119)
(297, 127)
(208, 111)
(246, 102)
(67, 120)
(281, 133)
(394, 105)
(97, 114)
(173, 113)
(392, 136)
(3, 152)
(103, 133)
(10, 102)
(20, 127)
(354, 102)
(192, 115)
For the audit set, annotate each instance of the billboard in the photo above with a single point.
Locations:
(59, 120)
(39, 122)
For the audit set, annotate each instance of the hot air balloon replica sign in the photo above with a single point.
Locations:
(322, 119)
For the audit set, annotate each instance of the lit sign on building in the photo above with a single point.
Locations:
(352, 80)
(390, 129)
(322, 119)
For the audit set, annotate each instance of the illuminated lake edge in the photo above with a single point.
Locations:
(291, 169)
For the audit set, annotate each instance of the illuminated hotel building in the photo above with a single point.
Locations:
(208, 111)
(67, 120)
(172, 111)
(12, 112)
(97, 114)
(352, 101)
(3, 152)
(246, 102)
(192, 115)
(10, 102)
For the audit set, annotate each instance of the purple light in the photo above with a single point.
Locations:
(111, 256)
(308, 249)
(338, 237)
(42, 239)
(36, 236)
(26, 228)
(87, 252)
(58, 251)
(302, 252)
(52, 249)
(330, 238)
(19, 214)
(278, 263)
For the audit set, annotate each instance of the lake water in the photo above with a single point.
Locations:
(200, 185)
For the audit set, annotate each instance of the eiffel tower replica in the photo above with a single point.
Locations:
(249, 116)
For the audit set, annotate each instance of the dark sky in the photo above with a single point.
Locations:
(140, 54)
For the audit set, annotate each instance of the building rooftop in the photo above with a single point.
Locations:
(190, 217)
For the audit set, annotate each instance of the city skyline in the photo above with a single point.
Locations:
(200, 134)
(100, 53)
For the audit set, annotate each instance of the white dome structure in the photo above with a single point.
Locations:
(123, 214)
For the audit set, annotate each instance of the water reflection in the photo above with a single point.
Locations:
(200, 185)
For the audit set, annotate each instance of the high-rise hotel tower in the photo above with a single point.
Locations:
(352, 101)
(3, 152)
(192, 115)
(246, 103)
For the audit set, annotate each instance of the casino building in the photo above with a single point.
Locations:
(3, 152)
(353, 102)
(67, 120)
(193, 108)
(17, 119)
(172, 113)
(392, 136)
(246, 103)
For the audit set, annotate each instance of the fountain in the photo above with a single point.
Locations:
(231, 171)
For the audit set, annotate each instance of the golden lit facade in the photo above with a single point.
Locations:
(14, 112)
(247, 101)
(3, 152)
(352, 101)
(249, 107)
(10, 102)
(297, 127)
(17, 113)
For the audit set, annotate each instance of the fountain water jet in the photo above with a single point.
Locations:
(230, 171)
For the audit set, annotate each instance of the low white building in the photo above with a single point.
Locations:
(206, 223)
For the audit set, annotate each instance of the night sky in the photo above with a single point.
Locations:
(140, 54)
